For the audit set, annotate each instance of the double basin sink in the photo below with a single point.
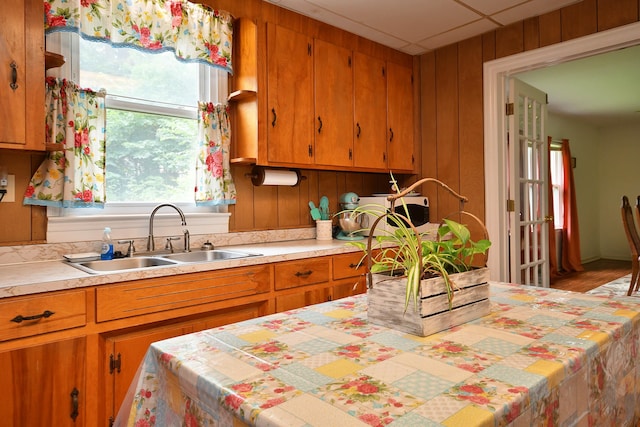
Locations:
(144, 262)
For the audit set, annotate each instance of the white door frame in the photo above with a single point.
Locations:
(495, 74)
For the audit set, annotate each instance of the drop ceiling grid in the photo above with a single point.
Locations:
(417, 26)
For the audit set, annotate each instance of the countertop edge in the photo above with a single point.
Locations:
(28, 278)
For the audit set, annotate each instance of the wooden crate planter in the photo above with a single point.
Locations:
(386, 302)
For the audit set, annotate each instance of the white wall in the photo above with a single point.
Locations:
(606, 169)
(583, 139)
(618, 154)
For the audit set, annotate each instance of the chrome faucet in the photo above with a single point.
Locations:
(150, 243)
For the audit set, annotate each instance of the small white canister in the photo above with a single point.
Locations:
(324, 229)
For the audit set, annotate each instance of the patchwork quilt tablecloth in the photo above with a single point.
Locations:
(542, 357)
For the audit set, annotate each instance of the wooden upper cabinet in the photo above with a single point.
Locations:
(333, 130)
(22, 76)
(370, 120)
(289, 96)
(400, 117)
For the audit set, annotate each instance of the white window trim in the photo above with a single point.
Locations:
(127, 220)
(65, 229)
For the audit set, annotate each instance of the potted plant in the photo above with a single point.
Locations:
(423, 282)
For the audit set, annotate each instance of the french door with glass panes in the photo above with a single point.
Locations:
(527, 185)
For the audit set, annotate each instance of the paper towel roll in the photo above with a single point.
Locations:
(261, 176)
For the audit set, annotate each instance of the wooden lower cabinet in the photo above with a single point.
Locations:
(44, 385)
(303, 298)
(79, 360)
(125, 351)
(316, 280)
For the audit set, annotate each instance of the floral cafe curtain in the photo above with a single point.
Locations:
(74, 176)
(192, 31)
(214, 185)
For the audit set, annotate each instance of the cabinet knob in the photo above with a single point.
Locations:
(390, 134)
(358, 130)
(273, 121)
(319, 124)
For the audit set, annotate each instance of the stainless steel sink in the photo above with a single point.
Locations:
(160, 260)
(122, 264)
(207, 256)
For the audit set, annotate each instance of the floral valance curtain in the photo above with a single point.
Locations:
(214, 185)
(192, 31)
(73, 176)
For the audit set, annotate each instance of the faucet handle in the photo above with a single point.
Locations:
(187, 240)
(131, 249)
(169, 245)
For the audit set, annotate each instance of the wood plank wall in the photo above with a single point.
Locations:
(452, 99)
(449, 88)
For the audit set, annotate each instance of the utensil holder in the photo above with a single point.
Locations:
(324, 229)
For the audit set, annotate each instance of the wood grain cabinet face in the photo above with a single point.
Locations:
(33, 315)
(172, 292)
(44, 385)
(370, 120)
(333, 129)
(348, 275)
(289, 96)
(400, 144)
(22, 76)
(125, 352)
(293, 274)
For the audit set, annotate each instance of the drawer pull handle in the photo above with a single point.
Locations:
(20, 318)
(352, 265)
(303, 273)
(74, 404)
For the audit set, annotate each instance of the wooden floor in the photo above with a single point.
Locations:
(595, 274)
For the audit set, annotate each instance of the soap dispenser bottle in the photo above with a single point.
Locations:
(106, 252)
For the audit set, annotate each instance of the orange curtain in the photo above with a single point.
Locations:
(553, 259)
(570, 235)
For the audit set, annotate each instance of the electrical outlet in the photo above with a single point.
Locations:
(11, 189)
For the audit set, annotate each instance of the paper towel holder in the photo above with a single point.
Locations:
(260, 176)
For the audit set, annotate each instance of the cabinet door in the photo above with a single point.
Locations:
(349, 287)
(22, 76)
(400, 117)
(370, 101)
(124, 353)
(333, 77)
(44, 385)
(303, 299)
(289, 96)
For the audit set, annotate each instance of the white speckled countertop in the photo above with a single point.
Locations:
(22, 276)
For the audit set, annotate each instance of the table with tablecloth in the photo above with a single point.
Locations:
(541, 357)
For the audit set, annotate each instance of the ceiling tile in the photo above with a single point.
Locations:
(409, 20)
(490, 7)
(453, 36)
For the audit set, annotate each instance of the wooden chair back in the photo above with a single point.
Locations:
(634, 241)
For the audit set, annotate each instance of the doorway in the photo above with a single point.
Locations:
(495, 74)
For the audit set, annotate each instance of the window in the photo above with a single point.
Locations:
(151, 124)
(151, 120)
(557, 186)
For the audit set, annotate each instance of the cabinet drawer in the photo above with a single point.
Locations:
(166, 293)
(33, 315)
(348, 265)
(292, 274)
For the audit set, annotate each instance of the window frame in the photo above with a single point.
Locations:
(130, 220)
